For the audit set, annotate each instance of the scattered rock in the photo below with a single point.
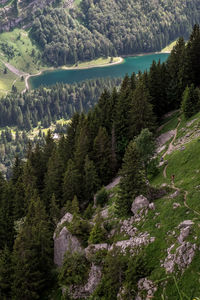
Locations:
(139, 203)
(182, 148)
(186, 223)
(175, 194)
(135, 243)
(152, 206)
(127, 227)
(183, 234)
(147, 285)
(176, 205)
(65, 241)
(183, 255)
(158, 225)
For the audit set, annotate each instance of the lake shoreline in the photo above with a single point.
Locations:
(95, 69)
(143, 53)
(51, 69)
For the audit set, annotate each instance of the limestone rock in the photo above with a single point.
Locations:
(65, 241)
(139, 203)
(183, 255)
(152, 206)
(174, 195)
(176, 205)
(186, 223)
(147, 285)
(66, 218)
(85, 291)
(183, 234)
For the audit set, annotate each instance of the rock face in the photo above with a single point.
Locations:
(183, 255)
(65, 241)
(139, 203)
(85, 291)
(147, 285)
(66, 218)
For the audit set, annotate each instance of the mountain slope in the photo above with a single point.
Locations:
(167, 234)
(68, 32)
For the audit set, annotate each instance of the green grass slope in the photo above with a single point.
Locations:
(162, 223)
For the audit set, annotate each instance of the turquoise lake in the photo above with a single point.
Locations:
(130, 64)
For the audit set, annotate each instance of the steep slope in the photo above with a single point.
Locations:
(69, 31)
(165, 232)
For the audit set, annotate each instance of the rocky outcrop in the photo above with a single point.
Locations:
(183, 255)
(134, 244)
(92, 249)
(85, 291)
(127, 227)
(66, 218)
(148, 286)
(139, 203)
(65, 241)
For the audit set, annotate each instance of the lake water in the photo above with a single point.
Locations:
(131, 64)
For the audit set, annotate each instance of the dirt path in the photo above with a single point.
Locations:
(165, 173)
(14, 70)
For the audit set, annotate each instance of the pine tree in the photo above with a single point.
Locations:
(91, 180)
(141, 113)
(75, 206)
(32, 254)
(103, 155)
(146, 147)
(5, 273)
(132, 183)
(191, 101)
(193, 50)
(72, 182)
(54, 211)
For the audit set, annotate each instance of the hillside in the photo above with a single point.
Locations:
(67, 32)
(166, 231)
(110, 209)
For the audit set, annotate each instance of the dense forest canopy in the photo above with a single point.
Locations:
(110, 28)
(64, 176)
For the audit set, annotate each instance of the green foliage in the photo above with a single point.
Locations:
(137, 268)
(115, 264)
(191, 101)
(5, 273)
(102, 197)
(81, 228)
(75, 206)
(32, 254)
(132, 183)
(76, 35)
(146, 147)
(74, 270)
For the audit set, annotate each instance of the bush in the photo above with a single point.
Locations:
(74, 270)
(102, 197)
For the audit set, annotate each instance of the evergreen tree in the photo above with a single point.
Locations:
(54, 211)
(91, 180)
(191, 101)
(146, 147)
(102, 155)
(32, 254)
(72, 182)
(132, 183)
(5, 273)
(141, 114)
